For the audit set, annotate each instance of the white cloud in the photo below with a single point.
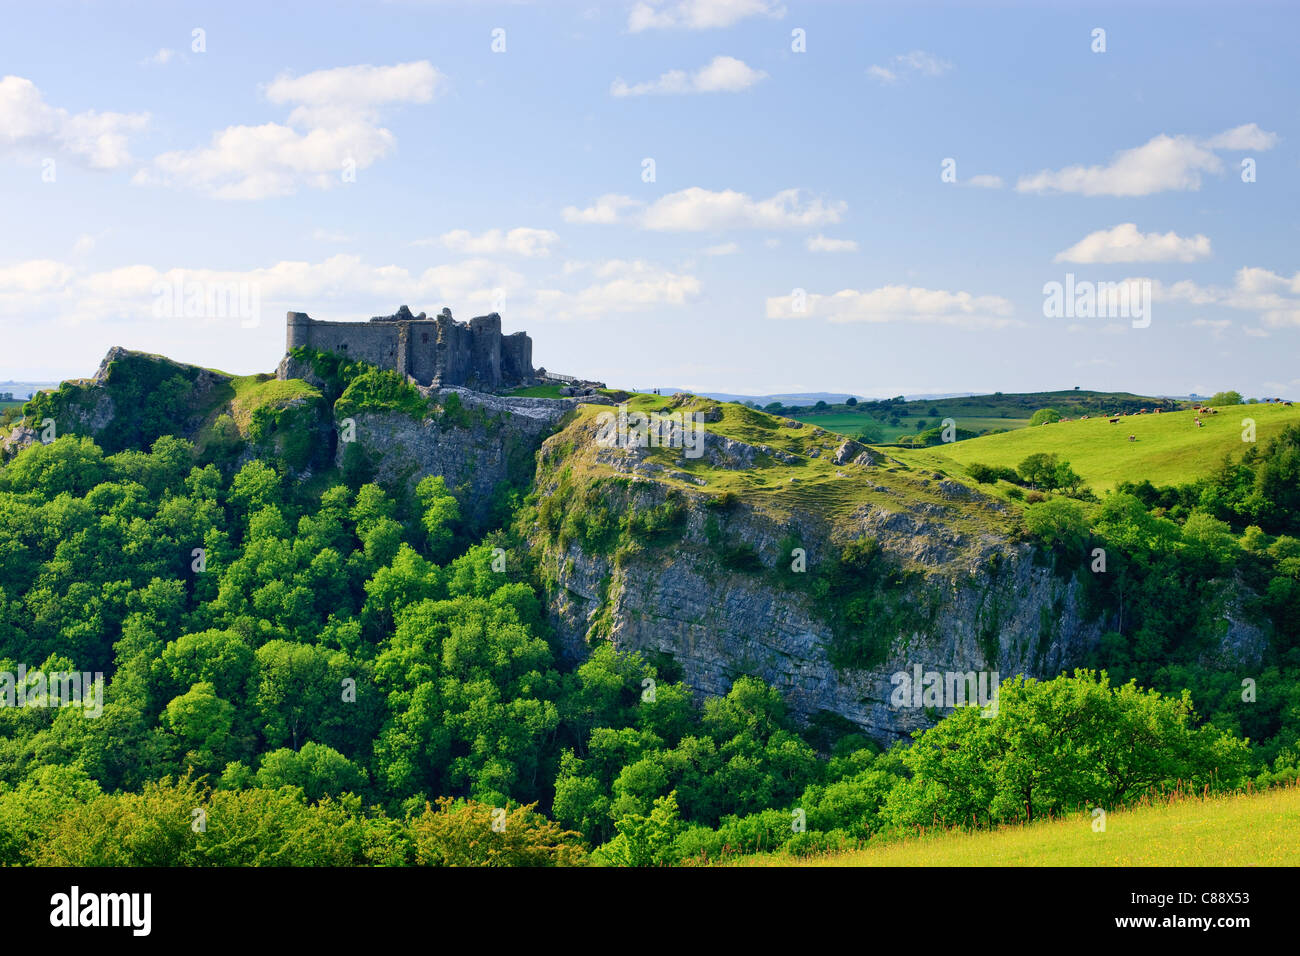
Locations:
(622, 286)
(70, 296)
(723, 74)
(722, 249)
(985, 181)
(820, 243)
(35, 277)
(1163, 163)
(30, 125)
(1246, 136)
(1274, 298)
(341, 95)
(697, 209)
(1124, 243)
(916, 63)
(697, 14)
(334, 127)
(606, 210)
(330, 235)
(161, 58)
(530, 243)
(896, 303)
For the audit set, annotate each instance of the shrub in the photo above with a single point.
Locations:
(469, 833)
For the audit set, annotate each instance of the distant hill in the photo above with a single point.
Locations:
(1169, 448)
(886, 420)
(787, 398)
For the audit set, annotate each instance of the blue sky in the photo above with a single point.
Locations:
(798, 233)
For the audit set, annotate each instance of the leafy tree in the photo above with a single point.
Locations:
(441, 512)
(644, 840)
(1224, 398)
(317, 770)
(469, 833)
(1057, 522)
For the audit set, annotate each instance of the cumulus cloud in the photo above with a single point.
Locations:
(1273, 298)
(1246, 136)
(896, 303)
(722, 249)
(985, 181)
(723, 74)
(608, 209)
(916, 63)
(29, 125)
(618, 286)
(1124, 243)
(820, 243)
(342, 281)
(1162, 163)
(697, 14)
(333, 127)
(697, 210)
(530, 243)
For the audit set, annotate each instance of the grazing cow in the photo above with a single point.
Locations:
(1114, 421)
(1132, 438)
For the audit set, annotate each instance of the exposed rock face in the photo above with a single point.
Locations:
(719, 624)
(489, 443)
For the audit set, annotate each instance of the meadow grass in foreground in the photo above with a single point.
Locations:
(1255, 829)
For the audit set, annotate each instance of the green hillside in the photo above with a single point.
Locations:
(890, 419)
(1169, 448)
(1255, 829)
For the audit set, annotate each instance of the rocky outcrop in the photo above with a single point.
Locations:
(985, 614)
(477, 442)
(729, 592)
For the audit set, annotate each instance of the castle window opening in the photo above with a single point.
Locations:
(424, 336)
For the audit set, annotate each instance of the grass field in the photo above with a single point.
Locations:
(536, 391)
(1169, 448)
(1258, 829)
(850, 423)
(972, 412)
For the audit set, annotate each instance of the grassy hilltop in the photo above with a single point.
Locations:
(888, 420)
(1169, 448)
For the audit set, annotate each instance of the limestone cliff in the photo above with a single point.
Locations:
(697, 560)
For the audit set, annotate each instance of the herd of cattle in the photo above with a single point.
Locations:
(1198, 409)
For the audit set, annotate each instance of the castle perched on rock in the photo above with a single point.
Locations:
(436, 351)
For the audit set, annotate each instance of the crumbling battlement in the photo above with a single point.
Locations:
(439, 351)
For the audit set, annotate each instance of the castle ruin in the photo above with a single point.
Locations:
(435, 351)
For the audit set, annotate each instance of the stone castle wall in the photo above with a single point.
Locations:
(436, 351)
